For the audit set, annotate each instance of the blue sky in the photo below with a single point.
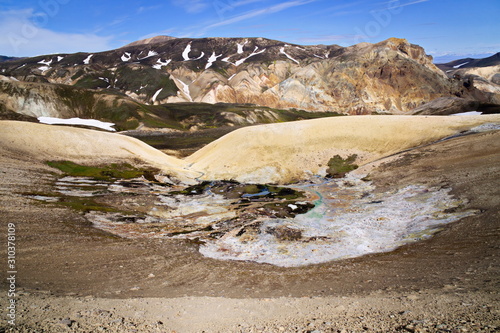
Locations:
(456, 27)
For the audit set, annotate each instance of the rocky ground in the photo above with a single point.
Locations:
(420, 311)
(73, 277)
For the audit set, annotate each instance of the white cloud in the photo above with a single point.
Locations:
(192, 6)
(393, 4)
(259, 12)
(143, 9)
(21, 37)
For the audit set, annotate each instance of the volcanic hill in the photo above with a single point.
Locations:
(392, 76)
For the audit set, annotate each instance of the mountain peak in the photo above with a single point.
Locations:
(152, 40)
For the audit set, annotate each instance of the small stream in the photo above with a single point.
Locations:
(348, 219)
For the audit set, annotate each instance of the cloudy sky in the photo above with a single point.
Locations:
(442, 27)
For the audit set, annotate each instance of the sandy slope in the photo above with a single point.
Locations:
(284, 152)
(46, 142)
(274, 153)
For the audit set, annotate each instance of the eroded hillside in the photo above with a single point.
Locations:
(391, 76)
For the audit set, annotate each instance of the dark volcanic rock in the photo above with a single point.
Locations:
(446, 106)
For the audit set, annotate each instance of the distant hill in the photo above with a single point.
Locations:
(5, 58)
(152, 40)
(470, 62)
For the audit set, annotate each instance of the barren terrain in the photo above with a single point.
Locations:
(73, 277)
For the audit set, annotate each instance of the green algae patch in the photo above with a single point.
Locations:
(86, 205)
(285, 193)
(338, 167)
(106, 172)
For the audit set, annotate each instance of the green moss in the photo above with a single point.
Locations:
(338, 167)
(122, 112)
(194, 189)
(107, 172)
(78, 74)
(91, 82)
(253, 189)
(86, 205)
(133, 78)
(285, 193)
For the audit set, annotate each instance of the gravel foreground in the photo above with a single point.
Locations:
(74, 278)
(446, 310)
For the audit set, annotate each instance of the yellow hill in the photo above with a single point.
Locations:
(47, 142)
(285, 152)
(274, 153)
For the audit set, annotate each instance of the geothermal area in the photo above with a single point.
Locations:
(278, 220)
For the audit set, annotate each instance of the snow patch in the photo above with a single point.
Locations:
(282, 50)
(126, 57)
(77, 121)
(159, 64)
(156, 94)
(240, 47)
(458, 66)
(150, 54)
(231, 77)
(59, 58)
(255, 52)
(470, 113)
(45, 62)
(86, 61)
(185, 53)
(185, 89)
(212, 59)
(201, 56)
(44, 69)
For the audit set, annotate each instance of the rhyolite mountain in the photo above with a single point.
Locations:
(392, 76)
(481, 77)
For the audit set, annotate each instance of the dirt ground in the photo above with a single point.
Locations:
(72, 277)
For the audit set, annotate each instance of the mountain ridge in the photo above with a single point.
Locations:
(471, 62)
(392, 76)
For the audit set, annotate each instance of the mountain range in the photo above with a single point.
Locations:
(137, 82)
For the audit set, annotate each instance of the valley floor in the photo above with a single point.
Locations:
(73, 277)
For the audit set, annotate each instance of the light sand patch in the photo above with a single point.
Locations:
(286, 152)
